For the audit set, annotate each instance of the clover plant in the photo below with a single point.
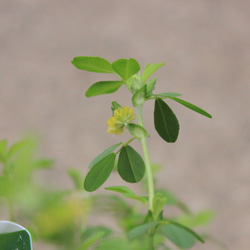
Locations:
(131, 166)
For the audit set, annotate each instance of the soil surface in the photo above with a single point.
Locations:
(206, 47)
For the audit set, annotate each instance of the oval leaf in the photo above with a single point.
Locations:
(125, 68)
(103, 87)
(140, 230)
(99, 173)
(165, 121)
(131, 166)
(92, 64)
(178, 235)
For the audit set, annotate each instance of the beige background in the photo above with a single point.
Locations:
(206, 47)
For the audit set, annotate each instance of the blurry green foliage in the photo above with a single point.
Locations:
(61, 217)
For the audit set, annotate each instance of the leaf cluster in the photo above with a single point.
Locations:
(127, 70)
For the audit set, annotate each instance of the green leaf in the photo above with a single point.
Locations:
(93, 64)
(158, 204)
(180, 235)
(137, 131)
(171, 199)
(103, 87)
(93, 229)
(16, 147)
(115, 105)
(202, 218)
(104, 154)
(141, 230)
(128, 193)
(166, 95)
(197, 236)
(91, 240)
(120, 189)
(165, 121)
(76, 177)
(114, 243)
(92, 235)
(125, 68)
(149, 70)
(191, 106)
(7, 188)
(43, 163)
(99, 173)
(3, 150)
(133, 83)
(131, 166)
(150, 86)
(139, 96)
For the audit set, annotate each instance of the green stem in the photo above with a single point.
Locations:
(147, 162)
(151, 241)
(149, 175)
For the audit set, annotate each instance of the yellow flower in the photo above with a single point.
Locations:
(121, 118)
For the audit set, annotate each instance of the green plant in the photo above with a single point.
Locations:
(54, 216)
(154, 226)
(60, 217)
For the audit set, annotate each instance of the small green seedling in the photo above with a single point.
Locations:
(130, 165)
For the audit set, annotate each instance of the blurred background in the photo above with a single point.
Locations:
(206, 47)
